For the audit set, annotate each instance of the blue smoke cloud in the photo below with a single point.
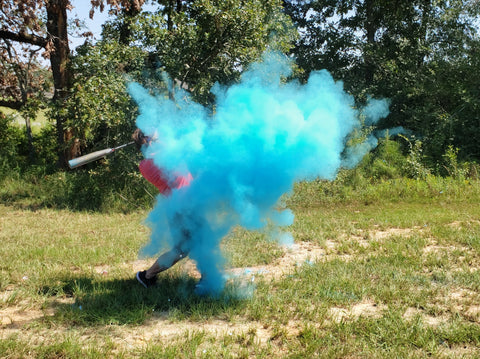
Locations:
(264, 135)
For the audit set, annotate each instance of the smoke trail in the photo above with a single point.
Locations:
(263, 137)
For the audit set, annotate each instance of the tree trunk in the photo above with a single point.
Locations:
(371, 29)
(426, 8)
(59, 58)
(31, 148)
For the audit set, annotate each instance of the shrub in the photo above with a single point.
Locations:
(112, 183)
(45, 145)
(387, 161)
(13, 144)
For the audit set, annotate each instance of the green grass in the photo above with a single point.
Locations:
(410, 258)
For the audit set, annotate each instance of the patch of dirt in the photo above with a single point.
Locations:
(428, 319)
(473, 313)
(163, 329)
(7, 294)
(391, 232)
(461, 294)
(436, 248)
(15, 317)
(365, 238)
(366, 308)
(465, 302)
(458, 351)
(461, 224)
(301, 253)
(460, 302)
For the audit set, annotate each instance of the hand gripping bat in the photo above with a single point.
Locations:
(82, 160)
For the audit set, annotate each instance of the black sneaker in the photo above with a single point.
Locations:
(142, 279)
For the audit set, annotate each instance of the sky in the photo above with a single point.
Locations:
(81, 10)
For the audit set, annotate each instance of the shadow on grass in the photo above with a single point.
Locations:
(127, 302)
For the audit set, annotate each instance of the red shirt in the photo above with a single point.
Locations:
(155, 176)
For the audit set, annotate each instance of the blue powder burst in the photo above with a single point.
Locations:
(263, 136)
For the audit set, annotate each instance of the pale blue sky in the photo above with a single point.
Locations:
(81, 10)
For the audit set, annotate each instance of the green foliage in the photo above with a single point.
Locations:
(110, 186)
(13, 144)
(207, 41)
(15, 151)
(419, 54)
(416, 164)
(386, 162)
(99, 110)
(113, 184)
(395, 171)
(102, 115)
(452, 167)
(45, 145)
(388, 174)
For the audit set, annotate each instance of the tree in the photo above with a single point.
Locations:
(352, 38)
(195, 43)
(23, 22)
(415, 53)
(23, 82)
(199, 43)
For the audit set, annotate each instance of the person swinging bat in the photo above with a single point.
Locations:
(154, 175)
(165, 185)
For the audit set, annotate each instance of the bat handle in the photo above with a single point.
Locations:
(125, 145)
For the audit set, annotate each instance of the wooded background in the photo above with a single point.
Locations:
(421, 55)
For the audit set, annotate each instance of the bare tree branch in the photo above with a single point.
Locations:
(16, 105)
(24, 37)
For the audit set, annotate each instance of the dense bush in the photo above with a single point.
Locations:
(13, 144)
(385, 162)
(89, 189)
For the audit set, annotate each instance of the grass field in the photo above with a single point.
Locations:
(376, 275)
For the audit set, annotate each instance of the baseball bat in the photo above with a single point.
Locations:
(83, 160)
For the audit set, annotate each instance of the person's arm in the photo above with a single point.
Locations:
(155, 176)
(182, 181)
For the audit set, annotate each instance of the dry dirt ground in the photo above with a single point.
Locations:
(19, 319)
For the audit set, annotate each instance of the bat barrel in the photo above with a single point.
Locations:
(80, 161)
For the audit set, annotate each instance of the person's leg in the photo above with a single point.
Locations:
(148, 277)
(165, 261)
(168, 259)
